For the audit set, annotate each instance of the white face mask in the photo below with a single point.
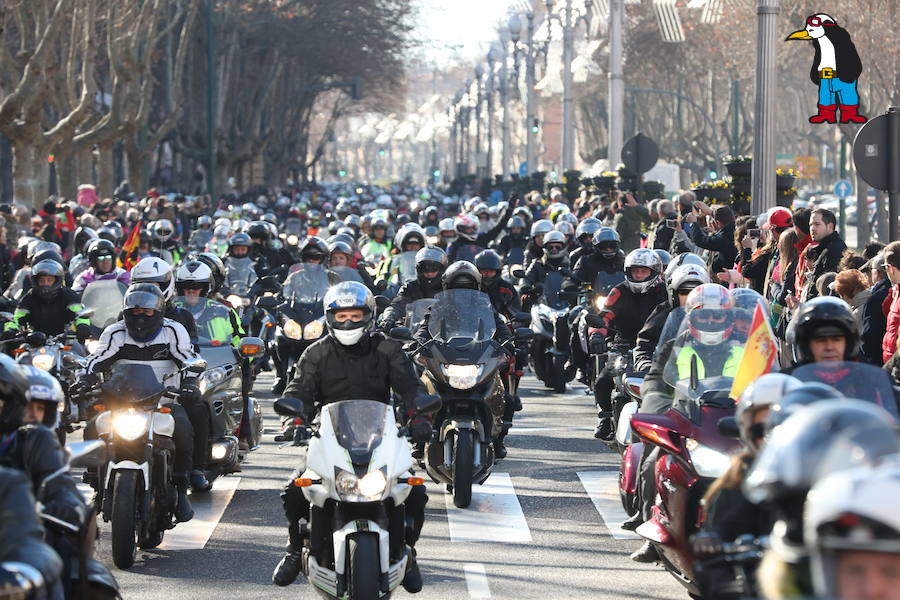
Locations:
(348, 338)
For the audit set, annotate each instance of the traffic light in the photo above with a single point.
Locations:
(436, 174)
(535, 126)
(381, 152)
(342, 173)
(713, 175)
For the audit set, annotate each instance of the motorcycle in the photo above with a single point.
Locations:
(462, 363)
(549, 321)
(855, 380)
(402, 269)
(240, 276)
(224, 387)
(358, 474)
(136, 487)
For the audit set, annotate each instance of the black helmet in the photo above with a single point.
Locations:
(489, 260)
(13, 395)
(822, 317)
(143, 295)
(100, 248)
(239, 239)
(341, 247)
(606, 241)
(430, 258)
(48, 254)
(796, 399)
(83, 236)
(215, 265)
(586, 229)
(259, 230)
(109, 233)
(313, 248)
(334, 226)
(53, 269)
(44, 388)
(461, 275)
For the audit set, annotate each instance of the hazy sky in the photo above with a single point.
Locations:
(463, 26)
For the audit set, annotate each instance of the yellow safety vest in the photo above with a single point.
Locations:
(683, 361)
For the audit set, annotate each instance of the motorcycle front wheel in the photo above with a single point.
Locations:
(463, 466)
(124, 519)
(365, 566)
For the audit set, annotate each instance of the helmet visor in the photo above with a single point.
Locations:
(141, 299)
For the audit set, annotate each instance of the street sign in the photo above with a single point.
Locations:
(523, 169)
(872, 155)
(640, 153)
(843, 188)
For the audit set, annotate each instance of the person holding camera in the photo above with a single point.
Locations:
(628, 216)
(719, 240)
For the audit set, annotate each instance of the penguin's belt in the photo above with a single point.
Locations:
(827, 74)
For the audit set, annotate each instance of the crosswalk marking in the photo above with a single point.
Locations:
(603, 489)
(208, 511)
(495, 514)
(476, 580)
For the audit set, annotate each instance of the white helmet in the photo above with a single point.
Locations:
(686, 276)
(193, 273)
(163, 230)
(155, 270)
(642, 257)
(687, 258)
(762, 393)
(853, 510)
(541, 227)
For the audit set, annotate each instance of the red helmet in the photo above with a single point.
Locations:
(467, 227)
(709, 313)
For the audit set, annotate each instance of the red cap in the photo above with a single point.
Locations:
(780, 217)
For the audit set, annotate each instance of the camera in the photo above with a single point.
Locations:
(754, 233)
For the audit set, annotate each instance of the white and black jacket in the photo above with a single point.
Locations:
(166, 352)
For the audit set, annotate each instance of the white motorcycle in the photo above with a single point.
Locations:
(357, 478)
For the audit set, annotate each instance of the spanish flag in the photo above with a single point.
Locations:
(759, 353)
(129, 249)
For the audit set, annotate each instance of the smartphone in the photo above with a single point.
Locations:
(754, 233)
(671, 223)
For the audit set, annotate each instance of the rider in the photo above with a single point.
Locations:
(146, 336)
(430, 265)
(203, 233)
(607, 256)
(555, 259)
(534, 250)
(352, 362)
(49, 306)
(467, 227)
(157, 271)
(823, 329)
(193, 281)
(101, 255)
(268, 259)
(584, 237)
(514, 239)
(447, 230)
(626, 310)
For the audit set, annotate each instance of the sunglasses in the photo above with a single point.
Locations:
(708, 316)
(105, 257)
(553, 247)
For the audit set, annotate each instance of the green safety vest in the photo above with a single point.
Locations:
(683, 361)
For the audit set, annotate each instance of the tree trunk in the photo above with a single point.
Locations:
(137, 175)
(85, 166)
(23, 173)
(106, 171)
(41, 177)
(66, 169)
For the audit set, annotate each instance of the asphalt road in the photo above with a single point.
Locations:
(535, 530)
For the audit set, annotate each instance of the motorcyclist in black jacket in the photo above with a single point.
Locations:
(269, 260)
(534, 250)
(351, 362)
(431, 262)
(555, 259)
(584, 239)
(514, 241)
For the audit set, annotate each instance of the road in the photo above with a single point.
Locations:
(533, 531)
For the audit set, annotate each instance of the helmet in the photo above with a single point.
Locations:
(223, 222)
(409, 233)
(515, 222)
(341, 247)
(762, 393)
(155, 270)
(606, 241)
(216, 267)
(707, 312)
(481, 210)
(461, 275)
(686, 277)
(808, 393)
(565, 228)
(488, 260)
(352, 221)
(557, 238)
(466, 227)
(99, 250)
(193, 274)
(239, 239)
(642, 257)
(567, 218)
(143, 295)
(347, 296)
(588, 227)
(13, 395)
(162, 230)
(334, 226)
(687, 258)
(541, 227)
(83, 236)
(37, 247)
(664, 257)
(109, 233)
(44, 388)
(820, 317)
(258, 230)
(556, 210)
(204, 221)
(853, 510)
(447, 226)
(313, 249)
(748, 299)
(271, 219)
(53, 269)
(524, 213)
(48, 254)
(434, 257)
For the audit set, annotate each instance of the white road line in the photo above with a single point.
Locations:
(529, 430)
(495, 514)
(476, 580)
(208, 511)
(603, 489)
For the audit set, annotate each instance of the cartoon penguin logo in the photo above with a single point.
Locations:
(835, 69)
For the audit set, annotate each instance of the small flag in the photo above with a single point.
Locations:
(130, 248)
(759, 353)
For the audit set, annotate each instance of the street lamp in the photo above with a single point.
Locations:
(528, 50)
(569, 23)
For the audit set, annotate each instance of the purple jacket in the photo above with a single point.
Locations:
(88, 276)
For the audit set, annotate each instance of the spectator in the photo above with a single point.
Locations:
(629, 215)
(871, 249)
(872, 319)
(663, 234)
(719, 241)
(825, 284)
(801, 226)
(825, 254)
(891, 302)
(853, 288)
(851, 260)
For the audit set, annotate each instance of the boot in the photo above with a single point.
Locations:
(499, 448)
(516, 402)
(412, 581)
(632, 522)
(199, 483)
(605, 429)
(827, 114)
(645, 554)
(288, 568)
(279, 386)
(849, 114)
(183, 509)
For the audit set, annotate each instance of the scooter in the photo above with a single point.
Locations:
(357, 477)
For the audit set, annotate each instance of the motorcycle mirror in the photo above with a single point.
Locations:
(88, 455)
(428, 403)
(518, 273)
(728, 427)
(195, 365)
(36, 338)
(252, 346)
(524, 334)
(401, 333)
(380, 301)
(595, 320)
(267, 302)
(290, 407)
(85, 313)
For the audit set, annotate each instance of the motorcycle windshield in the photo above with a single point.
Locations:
(347, 274)
(552, 288)
(406, 266)
(306, 285)
(213, 319)
(105, 297)
(461, 314)
(239, 276)
(201, 238)
(358, 426)
(468, 252)
(294, 227)
(672, 326)
(415, 312)
(132, 383)
(855, 380)
(605, 282)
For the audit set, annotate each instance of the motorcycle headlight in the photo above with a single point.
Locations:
(707, 462)
(91, 346)
(210, 378)
(43, 362)
(313, 330)
(130, 425)
(462, 377)
(599, 301)
(293, 329)
(367, 488)
(293, 240)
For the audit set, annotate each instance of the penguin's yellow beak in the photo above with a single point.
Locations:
(799, 35)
